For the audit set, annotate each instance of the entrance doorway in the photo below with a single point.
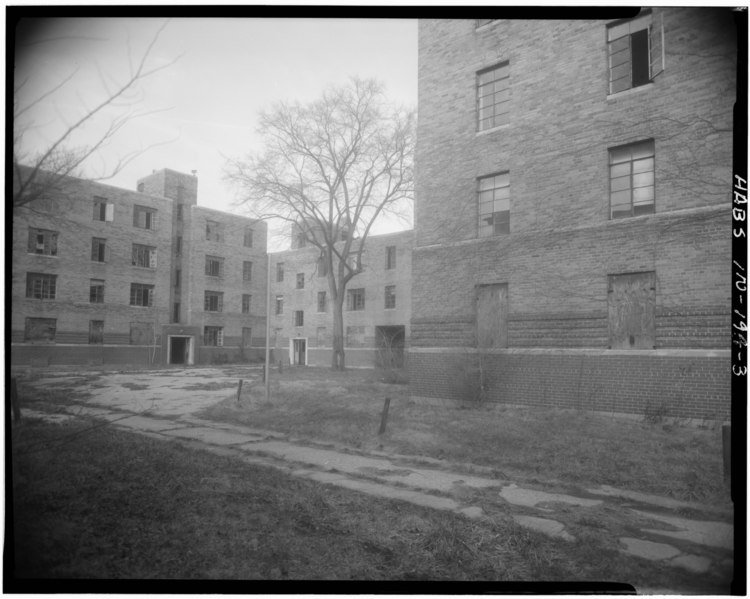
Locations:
(299, 352)
(390, 341)
(180, 350)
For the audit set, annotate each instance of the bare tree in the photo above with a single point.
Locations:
(41, 173)
(330, 169)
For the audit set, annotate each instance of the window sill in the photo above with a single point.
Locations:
(493, 129)
(628, 92)
(43, 255)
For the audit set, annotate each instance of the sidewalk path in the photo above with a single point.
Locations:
(694, 537)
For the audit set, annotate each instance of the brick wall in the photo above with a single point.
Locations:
(676, 383)
(562, 244)
(373, 279)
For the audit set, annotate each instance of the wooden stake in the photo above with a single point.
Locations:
(384, 417)
(239, 390)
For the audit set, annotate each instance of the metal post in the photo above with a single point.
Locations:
(239, 391)
(268, 325)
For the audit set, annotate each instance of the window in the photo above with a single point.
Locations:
(320, 336)
(390, 297)
(322, 267)
(300, 280)
(247, 271)
(390, 257)
(494, 204)
(144, 256)
(279, 304)
(214, 231)
(144, 218)
(98, 249)
(280, 272)
(179, 211)
(40, 286)
(141, 333)
(178, 245)
(355, 299)
(177, 277)
(321, 301)
(96, 291)
(213, 301)
(103, 210)
(213, 336)
(176, 312)
(493, 97)
(246, 303)
(631, 179)
(96, 331)
(40, 329)
(492, 315)
(141, 295)
(247, 336)
(247, 239)
(299, 318)
(635, 49)
(42, 242)
(214, 266)
(300, 240)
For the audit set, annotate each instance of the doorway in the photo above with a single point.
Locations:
(180, 350)
(299, 352)
(390, 341)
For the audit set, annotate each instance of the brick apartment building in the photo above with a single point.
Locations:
(108, 275)
(376, 313)
(572, 239)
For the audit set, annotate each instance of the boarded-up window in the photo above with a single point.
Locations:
(320, 336)
(40, 329)
(492, 315)
(141, 333)
(355, 336)
(631, 301)
(96, 331)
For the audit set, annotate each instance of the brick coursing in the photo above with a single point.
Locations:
(563, 246)
(680, 386)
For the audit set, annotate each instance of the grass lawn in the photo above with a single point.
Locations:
(523, 444)
(95, 502)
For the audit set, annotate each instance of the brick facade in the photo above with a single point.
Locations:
(130, 333)
(317, 328)
(563, 248)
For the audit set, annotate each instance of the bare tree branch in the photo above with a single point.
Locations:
(37, 175)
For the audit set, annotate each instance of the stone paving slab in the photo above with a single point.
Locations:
(379, 490)
(657, 500)
(148, 424)
(552, 528)
(648, 549)
(531, 498)
(383, 469)
(210, 435)
(713, 534)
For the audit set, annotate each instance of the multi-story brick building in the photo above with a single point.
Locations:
(572, 241)
(376, 313)
(103, 274)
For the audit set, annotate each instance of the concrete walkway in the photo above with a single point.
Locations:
(648, 527)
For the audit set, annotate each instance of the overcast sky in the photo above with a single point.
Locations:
(227, 70)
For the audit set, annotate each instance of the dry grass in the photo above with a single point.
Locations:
(525, 444)
(100, 503)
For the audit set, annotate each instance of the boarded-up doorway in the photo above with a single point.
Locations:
(492, 315)
(631, 304)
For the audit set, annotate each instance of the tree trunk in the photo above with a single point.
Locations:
(337, 355)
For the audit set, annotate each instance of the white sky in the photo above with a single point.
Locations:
(228, 70)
